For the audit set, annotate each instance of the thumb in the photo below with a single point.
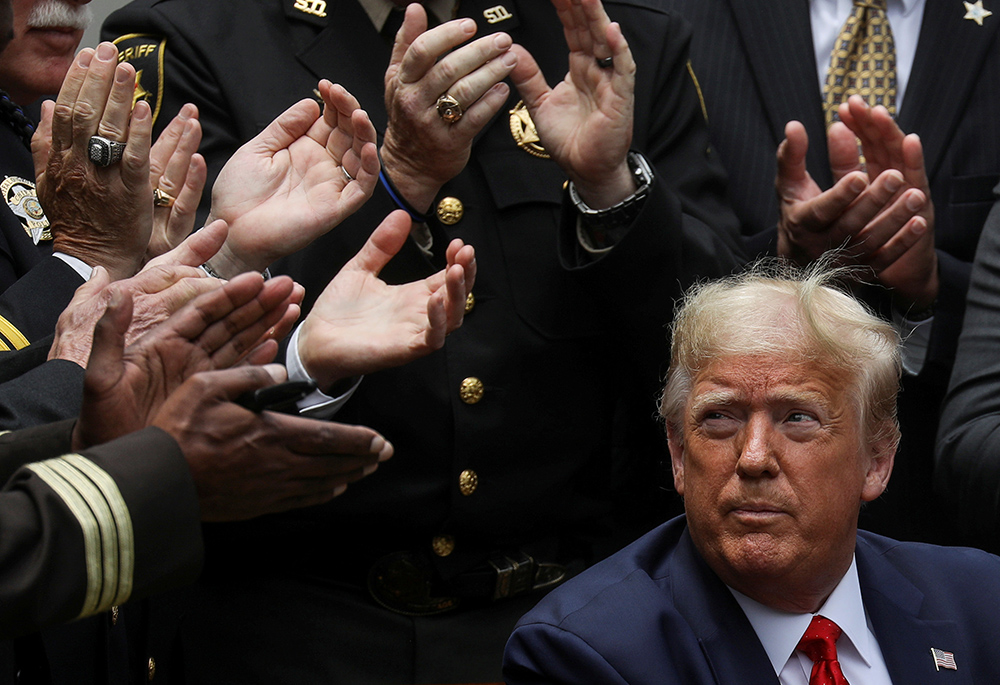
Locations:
(41, 141)
(231, 383)
(290, 125)
(104, 368)
(792, 156)
(196, 249)
(383, 244)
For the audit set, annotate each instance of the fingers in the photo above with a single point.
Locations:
(465, 256)
(383, 244)
(62, 121)
(166, 143)
(89, 107)
(427, 46)
(288, 127)
(41, 141)
(311, 437)
(887, 225)
(114, 122)
(842, 148)
(528, 78)
(414, 24)
(899, 244)
(196, 249)
(351, 140)
(104, 368)
(135, 160)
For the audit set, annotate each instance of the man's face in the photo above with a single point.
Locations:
(773, 466)
(46, 36)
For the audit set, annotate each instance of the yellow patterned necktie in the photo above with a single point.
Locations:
(863, 61)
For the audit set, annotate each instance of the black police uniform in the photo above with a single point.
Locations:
(517, 437)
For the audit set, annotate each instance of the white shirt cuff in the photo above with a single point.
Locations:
(78, 265)
(316, 405)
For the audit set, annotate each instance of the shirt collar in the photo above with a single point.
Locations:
(378, 10)
(835, 5)
(779, 631)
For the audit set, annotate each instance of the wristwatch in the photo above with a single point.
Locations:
(625, 212)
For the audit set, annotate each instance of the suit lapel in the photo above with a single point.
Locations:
(771, 30)
(893, 604)
(726, 637)
(949, 58)
(351, 52)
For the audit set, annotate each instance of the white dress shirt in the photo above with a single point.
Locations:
(857, 649)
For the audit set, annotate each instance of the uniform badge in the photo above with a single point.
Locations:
(976, 12)
(145, 53)
(494, 15)
(311, 11)
(19, 194)
(522, 128)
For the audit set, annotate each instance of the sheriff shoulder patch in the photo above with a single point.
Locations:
(145, 53)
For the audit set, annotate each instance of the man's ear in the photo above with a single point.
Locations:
(883, 455)
(675, 442)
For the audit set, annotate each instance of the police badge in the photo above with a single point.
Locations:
(19, 194)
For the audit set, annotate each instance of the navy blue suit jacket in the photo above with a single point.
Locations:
(656, 613)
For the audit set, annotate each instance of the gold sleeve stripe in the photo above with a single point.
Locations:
(109, 532)
(91, 532)
(4, 346)
(123, 524)
(109, 540)
(697, 87)
(14, 336)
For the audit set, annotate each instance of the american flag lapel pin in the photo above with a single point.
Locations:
(943, 659)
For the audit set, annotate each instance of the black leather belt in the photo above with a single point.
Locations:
(406, 582)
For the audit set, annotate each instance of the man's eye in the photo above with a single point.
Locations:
(800, 416)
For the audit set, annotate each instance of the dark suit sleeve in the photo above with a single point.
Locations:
(30, 308)
(542, 653)
(968, 451)
(80, 533)
(50, 392)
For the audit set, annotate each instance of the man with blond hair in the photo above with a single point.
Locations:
(781, 419)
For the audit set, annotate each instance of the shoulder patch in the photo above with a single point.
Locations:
(19, 194)
(145, 53)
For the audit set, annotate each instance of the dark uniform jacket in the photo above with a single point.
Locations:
(80, 533)
(757, 68)
(504, 439)
(656, 613)
(20, 211)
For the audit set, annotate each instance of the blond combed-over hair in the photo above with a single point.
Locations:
(774, 309)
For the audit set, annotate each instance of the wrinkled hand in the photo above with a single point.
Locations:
(176, 168)
(125, 386)
(585, 122)
(421, 151)
(360, 324)
(246, 464)
(103, 216)
(912, 272)
(285, 188)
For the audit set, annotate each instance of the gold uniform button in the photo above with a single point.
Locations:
(443, 545)
(468, 481)
(151, 668)
(450, 211)
(470, 302)
(471, 390)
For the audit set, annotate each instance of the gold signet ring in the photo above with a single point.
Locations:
(162, 199)
(449, 109)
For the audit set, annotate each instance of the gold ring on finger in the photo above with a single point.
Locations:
(449, 109)
(162, 199)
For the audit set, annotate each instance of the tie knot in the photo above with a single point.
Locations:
(819, 642)
(874, 4)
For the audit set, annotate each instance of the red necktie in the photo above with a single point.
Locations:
(819, 643)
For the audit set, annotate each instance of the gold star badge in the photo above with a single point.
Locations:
(976, 12)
